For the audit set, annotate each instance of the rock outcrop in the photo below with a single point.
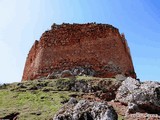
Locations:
(93, 49)
(12, 116)
(130, 112)
(86, 110)
(144, 95)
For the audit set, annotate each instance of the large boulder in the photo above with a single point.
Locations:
(146, 95)
(86, 110)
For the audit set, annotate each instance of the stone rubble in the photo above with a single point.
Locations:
(86, 110)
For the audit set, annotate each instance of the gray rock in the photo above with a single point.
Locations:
(146, 95)
(120, 77)
(141, 116)
(132, 108)
(60, 74)
(72, 101)
(86, 110)
(77, 71)
(54, 75)
(81, 86)
(82, 71)
(127, 88)
(66, 73)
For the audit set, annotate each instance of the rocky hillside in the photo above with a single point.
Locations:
(81, 98)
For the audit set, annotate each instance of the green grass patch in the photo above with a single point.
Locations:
(41, 99)
(29, 103)
(120, 117)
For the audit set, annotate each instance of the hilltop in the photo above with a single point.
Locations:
(42, 99)
(80, 72)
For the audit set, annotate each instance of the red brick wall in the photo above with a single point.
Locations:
(98, 46)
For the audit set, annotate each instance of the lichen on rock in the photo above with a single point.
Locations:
(146, 94)
(86, 110)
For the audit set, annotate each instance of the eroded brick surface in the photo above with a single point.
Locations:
(96, 46)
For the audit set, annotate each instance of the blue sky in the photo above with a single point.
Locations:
(23, 22)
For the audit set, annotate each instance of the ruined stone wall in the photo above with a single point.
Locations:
(96, 46)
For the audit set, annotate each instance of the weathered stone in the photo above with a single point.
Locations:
(72, 101)
(54, 75)
(120, 77)
(97, 48)
(80, 71)
(132, 108)
(66, 73)
(146, 95)
(142, 116)
(131, 112)
(85, 110)
(108, 89)
(81, 86)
